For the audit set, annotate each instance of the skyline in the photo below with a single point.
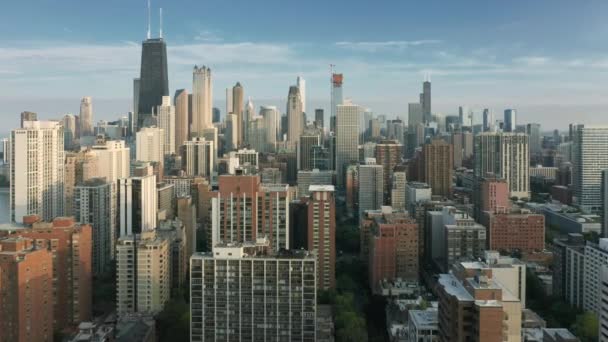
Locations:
(547, 62)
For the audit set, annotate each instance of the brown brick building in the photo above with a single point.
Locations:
(71, 248)
(437, 161)
(26, 295)
(392, 247)
(388, 154)
(515, 230)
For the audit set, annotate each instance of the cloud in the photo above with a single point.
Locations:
(208, 36)
(532, 60)
(385, 45)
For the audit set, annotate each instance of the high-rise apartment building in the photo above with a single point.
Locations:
(321, 232)
(198, 157)
(93, 205)
(37, 170)
(371, 186)
(86, 116)
(590, 157)
(488, 120)
(202, 97)
(596, 257)
(393, 248)
(319, 118)
(238, 110)
(294, 116)
(464, 239)
(243, 209)
(6, 150)
(137, 204)
(437, 164)
(231, 132)
(70, 245)
(150, 143)
(510, 120)
(26, 275)
(153, 79)
(504, 155)
(603, 315)
(305, 149)
(388, 154)
(166, 121)
(79, 167)
(568, 267)
(142, 273)
(515, 230)
(398, 183)
(273, 312)
(28, 116)
(69, 130)
(533, 131)
(347, 139)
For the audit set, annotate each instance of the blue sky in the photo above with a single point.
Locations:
(548, 59)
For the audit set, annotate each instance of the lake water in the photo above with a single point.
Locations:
(4, 217)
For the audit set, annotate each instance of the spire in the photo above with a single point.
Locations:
(148, 36)
(161, 23)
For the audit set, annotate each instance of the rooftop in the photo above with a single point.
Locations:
(424, 319)
(453, 287)
(312, 188)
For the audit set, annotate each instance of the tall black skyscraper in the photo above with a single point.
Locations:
(319, 118)
(425, 98)
(154, 82)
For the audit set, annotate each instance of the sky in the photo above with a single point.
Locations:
(546, 58)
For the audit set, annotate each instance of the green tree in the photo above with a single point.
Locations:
(173, 323)
(586, 327)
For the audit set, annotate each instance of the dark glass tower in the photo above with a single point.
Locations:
(154, 81)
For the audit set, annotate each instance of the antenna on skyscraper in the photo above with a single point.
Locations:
(161, 23)
(148, 19)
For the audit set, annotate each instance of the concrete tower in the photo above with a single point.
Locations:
(202, 98)
(86, 116)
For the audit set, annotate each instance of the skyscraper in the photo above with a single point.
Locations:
(347, 139)
(136, 86)
(237, 109)
(137, 204)
(533, 131)
(504, 155)
(37, 170)
(426, 101)
(228, 100)
(590, 152)
(336, 98)
(271, 124)
(69, 130)
(371, 186)
(388, 154)
(301, 83)
(249, 114)
(86, 116)
(182, 128)
(510, 120)
(198, 157)
(153, 78)
(231, 132)
(294, 116)
(166, 122)
(438, 163)
(321, 233)
(202, 97)
(28, 116)
(305, 150)
(319, 119)
(488, 120)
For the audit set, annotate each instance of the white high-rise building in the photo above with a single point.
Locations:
(149, 144)
(198, 157)
(590, 157)
(271, 123)
(596, 257)
(37, 171)
(113, 160)
(347, 139)
(301, 83)
(69, 130)
(248, 115)
(507, 156)
(137, 207)
(295, 122)
(371, 186)
(86, 116)
(202, 97)
(166, 122)
(142, 273)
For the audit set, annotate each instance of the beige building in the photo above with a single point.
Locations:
(182, 129)
(142, 273)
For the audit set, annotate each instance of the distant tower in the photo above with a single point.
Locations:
(294, 116)
(166, 121)
(301, 83)
(426, 101)
(201, 100)
(86, 116)
(153, 78)
(28, 116)
(271, 124)
(237, 109)
(510, 121)
(347, 140)
(336, 98)
(488, 120)
(182, 128)
(249, 114)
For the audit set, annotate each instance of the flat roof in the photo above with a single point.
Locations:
(424, 318)
(312, 188)
(453, 287)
